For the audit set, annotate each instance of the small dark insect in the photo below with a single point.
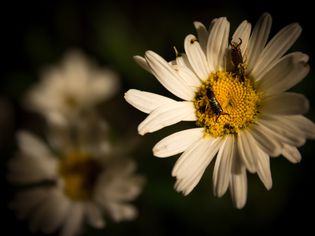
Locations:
(215, 105)
(237, 60)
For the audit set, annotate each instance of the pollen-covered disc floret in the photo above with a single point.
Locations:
(225, 105)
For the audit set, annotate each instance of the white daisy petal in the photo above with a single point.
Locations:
(39, 213)
(73, 222)
(177, 142)
(242, 32)
(94, 215)
(187, 75)
(104, 85)
(279, 44)
(168, 77)
(196, 57)
(274, 137)
(121, 212)
(202, 34)
(306, 126)
(33, 163)
(186, 185)
(119, 188)
(222, 57)
(28, 170)
(222, 167)
(25, 201)
(146, 101)
(217, 44)
(263, 168)
(182, 61)
(247, 150)
(282, 131)
(205, 149)
(142, 62)
(167, 115)
(284, 74)
(212, 23)
(258, 40)
(266, 140)
(31, 145)
(188, 169)
(286, 104)
(291, 153)
(238, 182)
(52, 214)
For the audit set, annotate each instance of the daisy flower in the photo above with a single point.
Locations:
(75, 183)
(236, 93)
(67, 90)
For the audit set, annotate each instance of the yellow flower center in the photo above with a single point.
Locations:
(225, 104)
(71, 101)
(79, 172)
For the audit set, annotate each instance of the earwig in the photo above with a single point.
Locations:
(236, 53)
(214, 104)
(237, 60)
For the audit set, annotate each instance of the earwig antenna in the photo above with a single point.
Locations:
(176, 52)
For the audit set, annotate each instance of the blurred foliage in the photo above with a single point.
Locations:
(36, 34)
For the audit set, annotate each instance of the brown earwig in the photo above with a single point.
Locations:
(237, 60)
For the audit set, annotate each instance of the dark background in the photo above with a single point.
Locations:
(35, 34)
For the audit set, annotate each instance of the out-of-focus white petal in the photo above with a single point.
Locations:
(50, 213)
(34, 163)
(121, 212)
(30, 145)
(74, 219)
(66, 90)
(104, 84)
(119, 188)
(26, 170)
(94, 215)
(26, 201)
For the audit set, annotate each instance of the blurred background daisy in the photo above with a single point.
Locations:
(37, 35)
(78, 177)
